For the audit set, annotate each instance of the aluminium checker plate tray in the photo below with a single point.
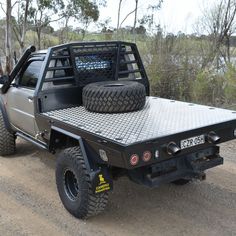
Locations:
(160, 117)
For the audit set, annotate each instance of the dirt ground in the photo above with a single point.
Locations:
(30, 205)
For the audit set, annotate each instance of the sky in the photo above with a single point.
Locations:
(174, 15)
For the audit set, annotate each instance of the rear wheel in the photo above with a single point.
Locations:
(74, 185)
(7, 139)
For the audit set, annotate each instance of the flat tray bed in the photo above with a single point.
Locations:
(160, 117)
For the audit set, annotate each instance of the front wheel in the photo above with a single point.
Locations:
(7, 139)
(74, 185)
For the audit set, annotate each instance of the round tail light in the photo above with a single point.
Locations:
(134, 159)
(147, 156)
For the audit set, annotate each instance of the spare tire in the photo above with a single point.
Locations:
(114, 96)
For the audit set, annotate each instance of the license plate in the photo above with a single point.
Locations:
(194, 141)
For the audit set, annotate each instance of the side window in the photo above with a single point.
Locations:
(30, 76)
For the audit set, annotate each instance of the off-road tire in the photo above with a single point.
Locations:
(77, 198)
(114, 96)
(7, 139)
(181, 182)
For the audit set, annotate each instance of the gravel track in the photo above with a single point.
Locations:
(30, 204)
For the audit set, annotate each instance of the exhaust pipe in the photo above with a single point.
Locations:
(212, 137)
(172, 148)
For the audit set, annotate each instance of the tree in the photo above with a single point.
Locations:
(21, 23)
(89, 13)
(8, 37)
(140, 30)
(103, 25)
(8, 34)
(135, 11)
(118, 16)
(148, 18)
(43, 13)
(84, 11)
(219, 23)
(135, 17)
(1, 69)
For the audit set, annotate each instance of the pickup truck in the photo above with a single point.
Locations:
(89, 103)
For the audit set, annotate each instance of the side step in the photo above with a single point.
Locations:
(33, 141)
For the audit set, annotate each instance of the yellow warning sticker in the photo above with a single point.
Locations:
(103, 185)
(102, 188)
(101, 179)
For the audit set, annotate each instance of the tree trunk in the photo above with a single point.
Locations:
(38, 30)
(118, 19)
(8, 38)
(24, 27)
(135, 18)
(39, 26)
(228, 47)
(67, 30)
(1, 69)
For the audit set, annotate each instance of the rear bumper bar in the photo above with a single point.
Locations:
(190, 166)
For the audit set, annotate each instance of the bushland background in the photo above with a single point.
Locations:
(198, 67)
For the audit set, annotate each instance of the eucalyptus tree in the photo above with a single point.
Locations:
(20, 22)
(82, 12)
(219, 23)
(43, 13)
(7, 10)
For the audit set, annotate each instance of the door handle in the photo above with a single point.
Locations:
(30, 98)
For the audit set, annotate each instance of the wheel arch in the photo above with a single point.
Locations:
(96, 172)
(5, 116)
(59, 135)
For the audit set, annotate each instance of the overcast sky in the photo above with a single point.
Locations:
(175, 15)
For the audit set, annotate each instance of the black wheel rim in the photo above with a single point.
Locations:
(71, 186)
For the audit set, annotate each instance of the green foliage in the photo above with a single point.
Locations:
(208, 88)
(83, 10)
(230, 84)
(171, 67)
(202, 87)
(54, 5)
(174, 64)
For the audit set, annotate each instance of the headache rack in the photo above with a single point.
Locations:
(85, 62)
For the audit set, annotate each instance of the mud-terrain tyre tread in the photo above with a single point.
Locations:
(88, 204)
(114, 96)
(7, 139)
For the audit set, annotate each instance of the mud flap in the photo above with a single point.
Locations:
(101, 181)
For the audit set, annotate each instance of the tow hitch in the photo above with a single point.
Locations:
(190, 166)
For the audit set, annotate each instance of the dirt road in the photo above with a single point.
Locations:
(29, 203)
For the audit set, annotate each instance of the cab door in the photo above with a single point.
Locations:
(20, 98)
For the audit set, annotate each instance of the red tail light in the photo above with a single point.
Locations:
(134, 159)
(147, 156)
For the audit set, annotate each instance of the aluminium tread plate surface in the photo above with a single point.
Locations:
(160, 117)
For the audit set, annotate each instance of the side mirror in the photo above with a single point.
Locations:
(3, 79)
